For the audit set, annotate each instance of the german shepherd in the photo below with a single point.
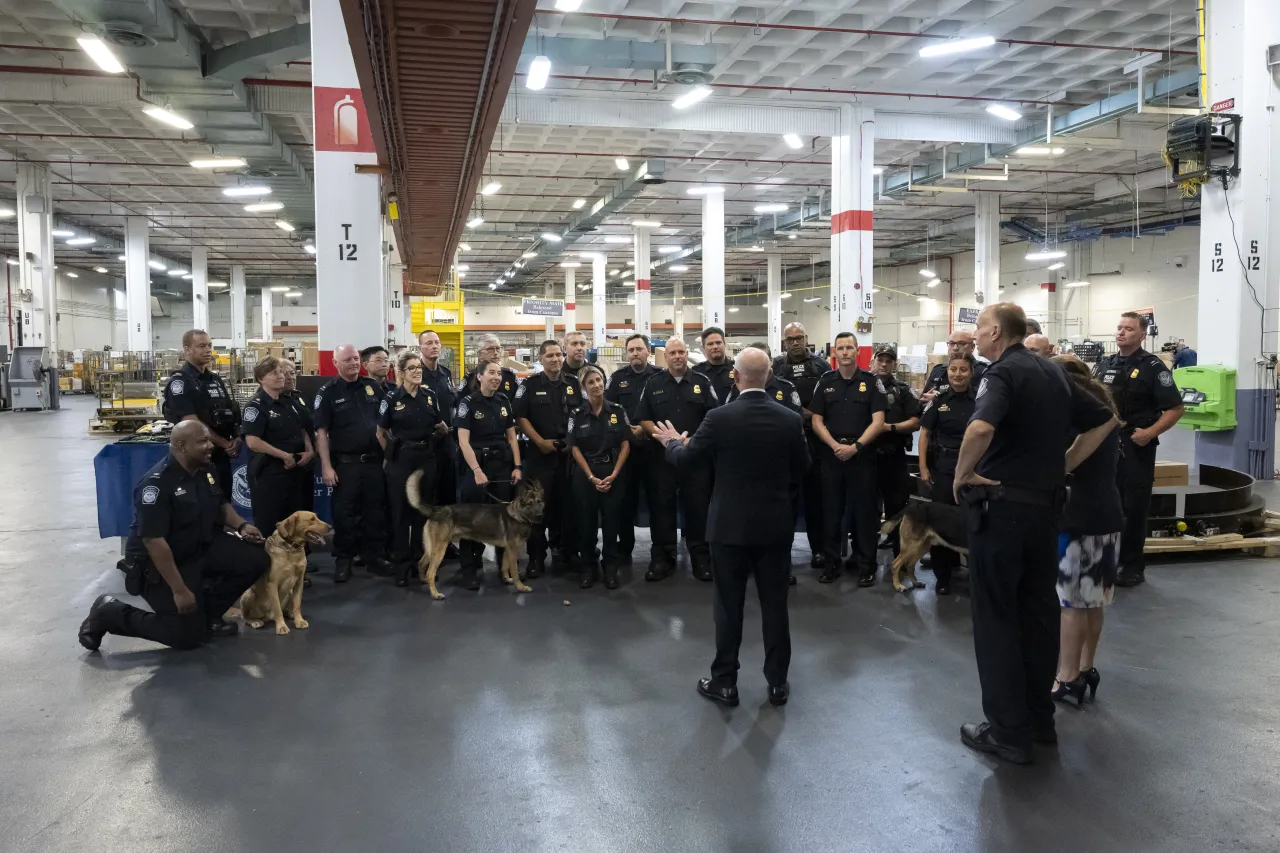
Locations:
(501, 525)
(925, 524)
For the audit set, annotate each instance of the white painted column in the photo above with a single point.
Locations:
(713, 308)
(237, 306)
(852, 201)
(550, 295)
(677, 309)
(570, 300)
(1238, 259)
(774, 302)
(986, 250)
(137, 283)
(268, 308)
(350, 290)
(200, 288)
(643, 315)
(35, 238)
(599, 279)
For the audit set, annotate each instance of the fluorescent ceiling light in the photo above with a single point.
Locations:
(1046, 255)
(580, 203)
(247, 190)
(176, 273)
(11, 262)
(62, 232)
(791, 236)
(168, 117)
(924, 298)
(678, 268)
(568, 5)
(1057, 266)
(81, 241)
(99, 269)
(668, 250)
(493, 285)
(551, 238)
(462, 275)
(931, 283)
(462, 267)
(979, 176)
(309, 249)
(219, 163)
(614, 272)
(617, 239)
(733, 310)
(466, 247)
(1077, 284)
(1039, 151)
(755, 248)
(284, 226)
(475, 222)
(156, 265)
(792, 140)
(629, 264)
(928, 273)
(770, 208)
(294, 294)
(491, 188)
(264, 206)
(186, 276)
(570, 265)
(121, 258)
(519, 264)
(529, 255)
(957, 46)
(280, 288)
(100, 54)
(704, 190)
(646, 223)
(73, 275)
(6, 212)
(693, 96)
(812, 299)
(622, 164)
(1001, 111)
(539, 71)
(217, 284)
(786, 296)
(877, 170)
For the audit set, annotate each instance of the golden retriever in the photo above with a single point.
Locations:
(287, 549)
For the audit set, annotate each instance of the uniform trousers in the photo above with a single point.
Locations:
(497, 465)
(811, 485)
(1013, 566)
(276, 492)
(222, 471)
(447, 471)
(894, 484)
(217, 578)
(691, 485)
(642, 462)
(359, 508)
(1135, 476)
(406, 522)
(943, 560)
(731, 565)
(597, 511)
(851, 508)
(552, 471)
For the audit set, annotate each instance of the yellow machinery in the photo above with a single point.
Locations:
(443, 315)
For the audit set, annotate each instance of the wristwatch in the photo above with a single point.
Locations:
(893, 427)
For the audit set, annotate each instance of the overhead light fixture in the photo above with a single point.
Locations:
(792, 140)
(755, 248)
(73, 275)
(1077, 284)
(1001, 111)
(786, 296)
(733, 309)
(646, 223)
(1046, 254)
(491, 188)
(176, 273)
(668, 250)
(622, 164)
(1039, 151)
(11, 262)
(924, 298)
(247, 190)
(6, 212)
(264, 206)
(280, 288)
(539, 71)
(813, 299)
(707, 190)
(462, 275)
(62, 232)
(590, 256)
(100, 54)
(219, 163)
(529, 255)
(99, 269)
(579, 203)
(309, 248)
(932, 283)
(928, 273)
(770, 208)
(629, 263)
(284, 226)
(493, 285)
(462, 267)
(121, 258)
(82, 241)
(693, 96)
(568, 5)
(168, 117)
(157, 266)
(1057, 266)
(466, 247)
(294, 294)
(186, 276)
(614, 272)
(216, 284)
(475, 222)
(519, 264)
(678, 268)
(957, 46)
(877, 170)
(570, 265)
(617, 239)
(551, 238)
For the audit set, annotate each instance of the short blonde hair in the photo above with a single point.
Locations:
(402, 361)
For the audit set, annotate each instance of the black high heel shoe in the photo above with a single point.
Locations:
(1091, 679)
(1071, 690)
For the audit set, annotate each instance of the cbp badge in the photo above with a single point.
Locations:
(479, 415)
(1134, 375)
(697, 389)
(569, 390)
(399, 406)
(368, 389)
(944, 408)
(862, 386)
(613, 419)
(504, 411)
(211, 480)
(623, 384)
(779, 396)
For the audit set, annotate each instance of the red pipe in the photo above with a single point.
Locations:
(279, 84)
(98, 136)
(38, 47)
(57, 72)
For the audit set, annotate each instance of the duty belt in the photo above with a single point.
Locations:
(1010, 494)
(418, 445)
(948, 451)
(357, 457)
(601, 459)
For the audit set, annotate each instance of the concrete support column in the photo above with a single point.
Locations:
(677, 309)
(713, 309)
(643, 317)
(853, 184)
(268, 308)
(1240, 234)
(550, 294)
(986, 252)
(599, 324)
(570, 301)
(351, 295)
(237, 306)
(773, 301)
(137, 283)
(199, 288)
(39, 327)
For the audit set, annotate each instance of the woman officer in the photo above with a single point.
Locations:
(597, 440)
(280, 469)
(941, 433)
(407, 420)
(490, 455)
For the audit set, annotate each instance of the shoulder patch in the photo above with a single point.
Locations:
(520, 391)
(880, 386)
(382, 407)
(795, 399)
(1166, 378)
(150, 494)
(177, 386)
(927, 407)
(250, 414)
(319, 397)
(462, 408)
(982, 387)
(571, 423)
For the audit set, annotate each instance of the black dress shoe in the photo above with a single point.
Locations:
(306, 582)
(980, 737)
(357, 561)
(659, 571)
(702, 571)
(469, 579)
(610, 576)
(779, 693)
(829, 574)
(867, 578)
(1128, 579)
(816, 561)
(942, 587)
(342, 570)
(791, 580)
(92, 628)
(220, 627)
(727, 696)
(381, 567)
(537, 568)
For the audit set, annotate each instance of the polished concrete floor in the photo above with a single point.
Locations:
(567, 720)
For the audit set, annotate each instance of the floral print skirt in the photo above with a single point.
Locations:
(1087, 569)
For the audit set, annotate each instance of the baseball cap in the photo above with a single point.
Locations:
(886, 350)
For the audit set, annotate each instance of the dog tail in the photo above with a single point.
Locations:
(413, 493)
(891, 524)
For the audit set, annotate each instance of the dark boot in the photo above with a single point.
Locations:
(610, 575)
(588, 577)
(342, 570)
(104, 613)
(404, 569)
(537, 568)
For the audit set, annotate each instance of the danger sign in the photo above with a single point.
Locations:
(1223, 106)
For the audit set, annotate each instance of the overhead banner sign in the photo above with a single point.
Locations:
(968, 315)
(542, 307)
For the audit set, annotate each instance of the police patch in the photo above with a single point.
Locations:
(520, 392)
(318, 398)
(795, 399)
(982, 387)
(382, 407)
(250, 414)
(177, 386)
(462, 409)
(1166, 378)
(149, 495)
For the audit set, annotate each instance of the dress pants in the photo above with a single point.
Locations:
(222, 471)
(406, 522)
(359, 510)
(811, 486)
(277, 492)
(943, 560)
(597, 511)
(1013, 567)
(551, 470)
(851, 508)
(731, 566)
(691, 484)
(497, 465)
(218, 579)
(1135, 476)
(894, 484)
(645, 456)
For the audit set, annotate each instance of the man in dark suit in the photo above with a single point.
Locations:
(759, 454)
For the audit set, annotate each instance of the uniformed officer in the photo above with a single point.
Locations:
(803, 369)
(543, 406)
(346, 418)
(491, 455)
(941, 432)
(280, 469)
(960, 342)
(574, 346)
(489, 348)
(599, 444)
(377, 366)
(197, 393)
(625, 387)
(1149, 404)
(1011, 474)
(179, 556)
(439, 379)
(683, 397)
(848, 414)
(776, 388)
(304, 409)
(718, 367)
(902, 418)
(1040, 345)
(407, 419)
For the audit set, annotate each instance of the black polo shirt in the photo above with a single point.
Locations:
(440, 381)
(510, 382)
(902, 406)
(779, 390)
(625, 386)
(179, 507)
(202, 393)
(410, 417)
(804, 374)
(1036, 410)
(598, 435)
(486, 419)
(274, 421)
(547, 404)
(684, 402)
(721, 376)
(946, 417)
(1142, 387)
(567, 370)
(349, 412)
(847, 405)
(938, 381)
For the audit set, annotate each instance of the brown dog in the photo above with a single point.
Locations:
(287, 549)
(501, 525)
(923, 525)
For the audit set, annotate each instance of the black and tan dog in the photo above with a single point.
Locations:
(501, 525)
(923, 525)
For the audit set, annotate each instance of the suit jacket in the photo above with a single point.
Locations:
(759, 454)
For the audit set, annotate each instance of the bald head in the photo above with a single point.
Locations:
(346, 360)
(1039, 345)
(677, 355)
(190, 444)
(751, 369)
(795, 342)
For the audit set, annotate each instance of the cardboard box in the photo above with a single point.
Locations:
(1172, 474)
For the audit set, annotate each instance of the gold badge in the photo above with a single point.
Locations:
(944, 408)
(732, 375)
(697, 389)
(1134, 375)
(779, 396)
(211, 480)
(862, 386)
(430, 402)
(504, 412)
(400, 406)
(479, 415)
(568, 389)
(623, 384)
(368, 389)
(613, 419)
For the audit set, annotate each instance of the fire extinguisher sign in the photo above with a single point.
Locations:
(341, 123)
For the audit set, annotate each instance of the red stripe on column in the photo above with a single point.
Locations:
(569, 306)
(864, 357)
(642, 284)
(851, 220)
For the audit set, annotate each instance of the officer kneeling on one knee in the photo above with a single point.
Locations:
(599, 444)
(180, 556)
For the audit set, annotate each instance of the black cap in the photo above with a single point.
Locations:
(887, 350)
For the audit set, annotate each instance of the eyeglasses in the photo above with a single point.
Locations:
(413, 367)
(798, 340)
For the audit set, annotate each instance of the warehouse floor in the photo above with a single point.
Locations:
(567, 720)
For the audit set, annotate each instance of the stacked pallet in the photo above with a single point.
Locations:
(1265, 542)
